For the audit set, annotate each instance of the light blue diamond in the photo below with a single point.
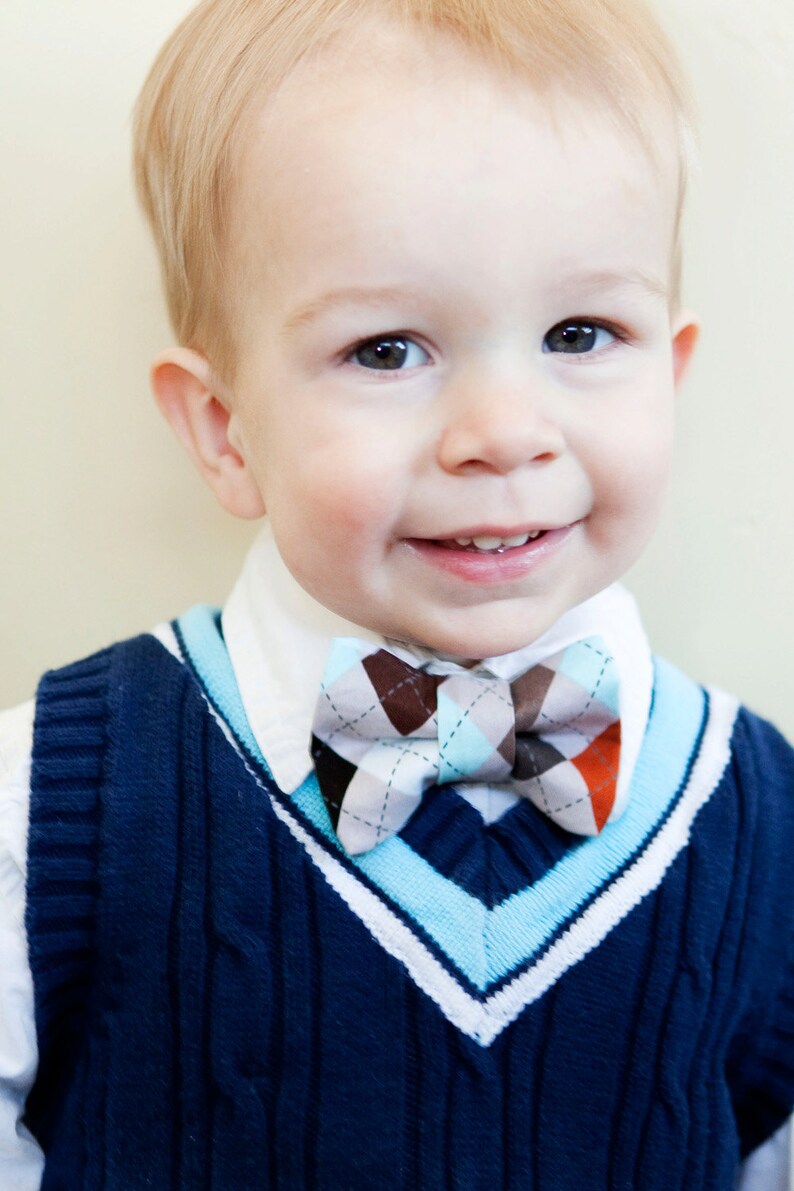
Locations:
(589, 663)
(345, 654)
(463, 748)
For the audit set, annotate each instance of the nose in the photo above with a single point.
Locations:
(498, 427)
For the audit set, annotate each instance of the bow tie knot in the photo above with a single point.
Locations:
(385, 731)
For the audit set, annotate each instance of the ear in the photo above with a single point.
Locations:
(194, 404)
(686, 332)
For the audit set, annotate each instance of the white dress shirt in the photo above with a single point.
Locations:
(278, 639)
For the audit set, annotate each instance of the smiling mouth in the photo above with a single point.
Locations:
(489, 543)
(493, 554)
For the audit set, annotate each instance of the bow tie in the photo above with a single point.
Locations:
(384, 731)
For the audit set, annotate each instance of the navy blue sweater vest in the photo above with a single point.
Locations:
(212, 1014)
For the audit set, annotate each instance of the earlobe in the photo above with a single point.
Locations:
(686, 332)
(198, 411)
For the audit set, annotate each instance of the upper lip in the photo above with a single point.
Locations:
(491, 531)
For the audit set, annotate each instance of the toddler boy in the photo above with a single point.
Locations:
(412, 869)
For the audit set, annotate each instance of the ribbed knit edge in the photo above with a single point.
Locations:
(761, 1059)
(62, 887)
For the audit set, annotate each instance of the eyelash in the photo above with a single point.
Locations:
(620, 335)
(382, 337)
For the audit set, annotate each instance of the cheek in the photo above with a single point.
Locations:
(340, 466)
(338, 500)
(630, 474)
(334, 530)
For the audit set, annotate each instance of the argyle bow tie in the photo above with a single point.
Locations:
(385, 731)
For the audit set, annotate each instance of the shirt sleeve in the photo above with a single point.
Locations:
(21, 1161)
(769, 1167)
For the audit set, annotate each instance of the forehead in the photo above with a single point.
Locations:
(394, 134)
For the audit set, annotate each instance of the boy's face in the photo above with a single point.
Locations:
(455, 336)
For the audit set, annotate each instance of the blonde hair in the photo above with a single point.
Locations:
(227, 54)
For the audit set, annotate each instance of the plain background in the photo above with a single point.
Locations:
(105, 529)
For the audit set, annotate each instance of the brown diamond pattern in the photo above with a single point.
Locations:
(529, 692)
(334, 775)
(408, 696)
(534, 757)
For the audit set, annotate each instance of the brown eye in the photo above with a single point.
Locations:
(389, 354)
(575, 337)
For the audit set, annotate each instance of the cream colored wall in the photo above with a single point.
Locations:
(105, 530)
(717, 587)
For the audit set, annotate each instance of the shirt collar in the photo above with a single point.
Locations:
(278, 639)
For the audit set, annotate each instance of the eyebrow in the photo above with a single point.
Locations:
(607, 280)
(348, 295)
(363, 295)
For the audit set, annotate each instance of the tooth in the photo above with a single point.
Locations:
(486, 543)
(536, 534)
(519, 539)
(462, 541)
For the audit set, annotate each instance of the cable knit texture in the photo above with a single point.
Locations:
(212, 1015)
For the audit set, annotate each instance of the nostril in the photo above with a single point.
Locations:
(497, 436)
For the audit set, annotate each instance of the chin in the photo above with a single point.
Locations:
(468, 647)
(475, 632)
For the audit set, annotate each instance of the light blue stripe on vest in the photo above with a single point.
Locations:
(487, 945)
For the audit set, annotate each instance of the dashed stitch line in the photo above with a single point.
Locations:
(494, 688)
(606, 763)
(586, 797)
(568, 723)
(404, 751)
(351, 723)
(495, 691)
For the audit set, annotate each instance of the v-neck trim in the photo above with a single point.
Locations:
(484, 960)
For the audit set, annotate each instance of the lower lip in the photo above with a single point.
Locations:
(509, 565)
